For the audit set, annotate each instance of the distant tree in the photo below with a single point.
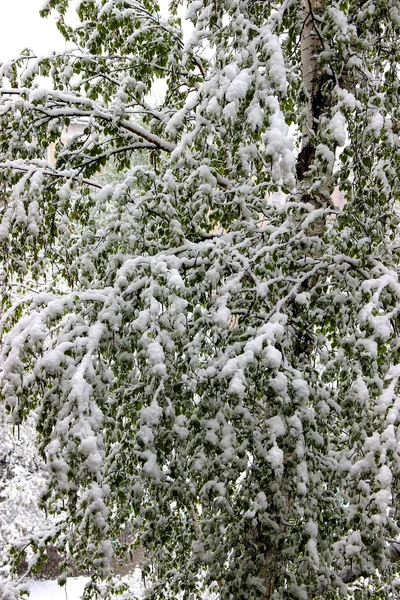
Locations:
(214, 369)
(21, 480)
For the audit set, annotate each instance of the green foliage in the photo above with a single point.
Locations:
(209, 343)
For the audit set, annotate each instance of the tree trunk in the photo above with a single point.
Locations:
(316, 86)
(267, 576)
(318, 102)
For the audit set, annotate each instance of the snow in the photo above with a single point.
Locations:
(339, 19)
(301, 388)
(277, 71)
(326, 154)
(150, 466)
(311, 529)
(50, 590)
(382, 327)
(213, 107)
(337, 127)
(73, 590)
(376, 124)
(255, 116)
(142, 321)
(360, 390)
(275, 457)
(382, 501)
(150, 415)
(239, 87)
(223, 316)
(352, 549)
(373, 442)
(156, 357)
(312, 550)
(125, 342)
(302, 298)
(276, 426)
(384, 476)
(236, 385)
(230, 110)
(273, 357)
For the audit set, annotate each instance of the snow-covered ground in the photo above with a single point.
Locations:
(50, 590)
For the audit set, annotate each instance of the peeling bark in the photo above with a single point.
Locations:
(314, 80)
(316, 84)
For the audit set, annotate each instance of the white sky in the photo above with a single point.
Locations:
(21, 27)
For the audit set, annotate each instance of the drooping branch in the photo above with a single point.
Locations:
(68, 106)
(351, 574)
(48, 171)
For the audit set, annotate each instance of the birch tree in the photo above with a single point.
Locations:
(210, 345)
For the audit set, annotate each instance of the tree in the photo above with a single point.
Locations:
(21, 479)
(213, 369)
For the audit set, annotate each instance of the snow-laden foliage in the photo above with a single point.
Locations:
(21, 481)
(210, 344)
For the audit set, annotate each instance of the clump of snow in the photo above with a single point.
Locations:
(337, 128)
(339, 19)
(275, 457)
(276, 426)
(360, 391)
(150, 466)
(239, 87)
(300, 388)
(326, 154)
(156, 358)
(223, 316)
(373, 443)
(255, 116)
(384, 476)
(175, 280)
(303, 298)
(382, 327)
(312, 551)
(376, 124)
(382, 501)
(273, 357)
(276, 64)
(311, 529)
(230, 110)
(236, 385)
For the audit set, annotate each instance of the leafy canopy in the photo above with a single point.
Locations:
(209, 344)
